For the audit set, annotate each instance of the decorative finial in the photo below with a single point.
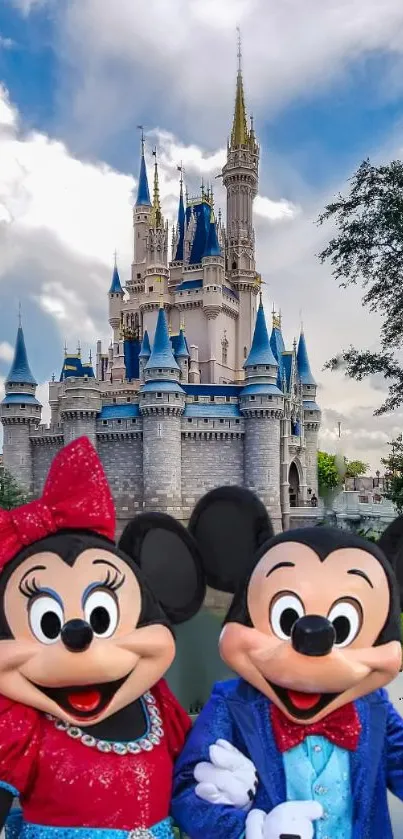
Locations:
(65, 348)
(182, 171)
(239, 52)
(202, 188)
(79, 349)
(19, 314)
(90, 356)
(219, 216)
(53, 377)
(169, 328)
(115, 258)
(182, 324)
(294, 344)
(260, 299)
(141, 129)
(301, 322)
(159, 280)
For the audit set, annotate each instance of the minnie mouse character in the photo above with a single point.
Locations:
(313, 632)
(88, 728)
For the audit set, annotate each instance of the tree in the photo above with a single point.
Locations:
(11, 494)
(394, 474)
(355, 468)
(330, 473)
(368, 249)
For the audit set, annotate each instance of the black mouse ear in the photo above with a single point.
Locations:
(391, 543)
(229, 524)
(170, 563)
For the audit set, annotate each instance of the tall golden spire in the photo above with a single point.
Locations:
(156, 219)
(239, 134)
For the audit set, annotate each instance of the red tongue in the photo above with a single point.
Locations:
(85, 701)
(303, 701)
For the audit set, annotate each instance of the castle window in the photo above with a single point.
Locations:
(128, 399)
(119, 422)
(159, 395)
(228, 399)
(211, 398)
(236, 422)
(196, 398)
(114, 400)
(159, 430)
(221, 421)
(245, 352)
(138, 276)
(252, 399)
(22, 406)
(151, 288)
(189, 419)
(206, 420)
(134, 421)
(104, 422)
(160, 371)
(234, 266)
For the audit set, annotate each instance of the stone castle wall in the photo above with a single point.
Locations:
(208, 462)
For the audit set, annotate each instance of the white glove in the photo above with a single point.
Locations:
(229, 779)
(291, 819)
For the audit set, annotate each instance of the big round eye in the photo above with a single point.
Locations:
(46, 619)
(346, 618)
(102, 613)
(285, 610)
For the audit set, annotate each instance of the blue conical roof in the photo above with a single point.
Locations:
(161, 354)
(116, 287)
(145, 350)
(20, 372)
(181, 227)
(143, 192)
(278, 347)
(260, 352)
(303, 366)
(212, 246)
(182, 350)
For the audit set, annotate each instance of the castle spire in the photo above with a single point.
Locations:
(239, 134)
(212, 246)
(303, 365)
(260, 351)
(181, 220)
(116, 287)
(161, 354)
(20, 372)
(143, 192)
(156, 213)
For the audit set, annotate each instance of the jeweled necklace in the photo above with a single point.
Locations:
(134, 747)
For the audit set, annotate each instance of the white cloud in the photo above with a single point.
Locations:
(6, 351)
(179, 57)
(6, 43)
(274, 210)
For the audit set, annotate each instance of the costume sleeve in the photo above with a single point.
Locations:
(176, 721)
(19, 740)
(394, 751)
(197, 818)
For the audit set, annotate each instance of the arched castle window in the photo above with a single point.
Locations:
(245, 352)
(224, 348)
(234, 265)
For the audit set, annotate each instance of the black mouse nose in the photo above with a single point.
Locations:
(313, 635)
(76, 635)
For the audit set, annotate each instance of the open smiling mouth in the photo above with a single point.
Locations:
(302, 706)
(84, 701)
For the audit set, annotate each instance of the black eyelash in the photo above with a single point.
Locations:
(113, 583)
(29, 588)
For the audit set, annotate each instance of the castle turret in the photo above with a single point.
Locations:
(240, 178)
(144, 354)
(141, 220)
(312, 414)
(182, 356)
(162, 403)
(178, 241)
(213, 280)
(157, 243)
(80, 399)
(20, 416)
(115, 302)
(262, 405)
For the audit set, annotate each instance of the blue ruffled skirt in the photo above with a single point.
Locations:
(16, 828)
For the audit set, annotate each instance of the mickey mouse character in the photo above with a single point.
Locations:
(88, 728)
(313, 632)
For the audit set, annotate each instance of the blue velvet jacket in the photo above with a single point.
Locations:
(240, 714)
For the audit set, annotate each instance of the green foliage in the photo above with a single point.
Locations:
(330, 473)
(368, 250)
(355, 468)
(394, 473)
(11, 494)
(368, 534)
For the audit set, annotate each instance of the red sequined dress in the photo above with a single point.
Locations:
(66, 779)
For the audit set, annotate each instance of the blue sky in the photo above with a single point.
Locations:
(324, 84)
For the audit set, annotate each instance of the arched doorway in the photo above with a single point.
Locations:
(293, 480)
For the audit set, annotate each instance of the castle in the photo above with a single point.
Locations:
(192, 392)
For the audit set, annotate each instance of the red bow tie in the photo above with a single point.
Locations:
(76, 496)
(342, 727)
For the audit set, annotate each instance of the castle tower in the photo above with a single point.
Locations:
(213, 280)
(157, 243)
(162, 403)
(80, 403)
(262, 405)
(312, 414)
(20, 416)
(115, 303)
(182, 357)
(240, 178)
(278, 348)
(144, 354)
(141, 221)
(178, 241)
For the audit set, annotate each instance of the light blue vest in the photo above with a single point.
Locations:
(318, 771)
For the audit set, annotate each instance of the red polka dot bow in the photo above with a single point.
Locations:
(76, 496)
